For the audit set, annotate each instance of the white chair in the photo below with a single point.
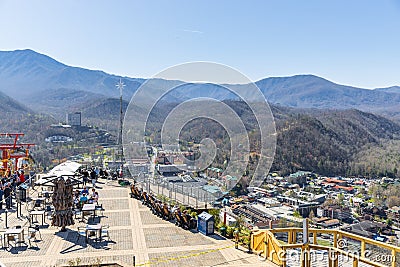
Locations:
(99, 207)
(2, 239)
(81, 233)
(35, 228)
(12, 239)
(32, 236)
(105, 232)
(78, 214)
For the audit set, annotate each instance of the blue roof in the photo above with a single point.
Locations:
(211, 188)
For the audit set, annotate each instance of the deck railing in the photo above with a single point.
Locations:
(268, 244)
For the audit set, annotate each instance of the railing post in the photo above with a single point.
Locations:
(331, 258)
(266, 247)
(393, 258)
(268, 253)
(363, 248)
(284, 260)
(6, 219)
(355, 262)
(334, 240)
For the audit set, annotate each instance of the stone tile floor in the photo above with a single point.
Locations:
(136, 235)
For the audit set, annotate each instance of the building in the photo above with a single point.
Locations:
(302, 206)
(230, 181)
(367, 229)
(335, 212)
(214, 172)
(170, 169)
(74, 119)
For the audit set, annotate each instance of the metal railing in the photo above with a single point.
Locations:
(358, 250)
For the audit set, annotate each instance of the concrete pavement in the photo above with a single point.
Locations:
(137, 236)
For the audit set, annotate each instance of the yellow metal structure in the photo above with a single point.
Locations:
(266, 245)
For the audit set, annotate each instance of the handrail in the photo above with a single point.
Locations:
(280, 249)
(340, 232)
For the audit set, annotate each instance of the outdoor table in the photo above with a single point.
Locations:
(36, 213)
(47, 194)
(14, 231)
(91, 228)
(41, 199)
(89, 207)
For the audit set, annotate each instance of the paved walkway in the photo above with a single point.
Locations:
(136, 234)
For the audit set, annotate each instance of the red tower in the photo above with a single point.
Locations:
(12, 150)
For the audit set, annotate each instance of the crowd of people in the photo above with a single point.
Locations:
(162, 209)
(85, 196)
(8, 184)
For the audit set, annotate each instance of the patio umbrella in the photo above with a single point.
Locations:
(63, 203)
(68, 166)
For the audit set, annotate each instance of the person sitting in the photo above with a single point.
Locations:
(95, 197)
(83, 199)
(85, 191)
(174, 208)
(76, 202)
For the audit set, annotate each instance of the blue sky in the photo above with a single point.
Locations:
(349, 42)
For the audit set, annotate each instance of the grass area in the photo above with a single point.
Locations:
(324, 242)
(282, 242)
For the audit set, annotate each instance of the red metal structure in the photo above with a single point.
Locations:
(12, 150)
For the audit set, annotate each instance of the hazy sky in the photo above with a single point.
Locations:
(349, 42)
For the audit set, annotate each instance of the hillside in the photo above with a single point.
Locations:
(309, 91)
(30, 77)
(322, 126)
(392, 89)
(332, 142)
(329, 142)
(59, 102)
(11, 106)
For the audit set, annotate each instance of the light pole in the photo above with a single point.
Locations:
(120, 157)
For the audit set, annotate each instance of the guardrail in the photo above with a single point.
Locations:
(266, 244)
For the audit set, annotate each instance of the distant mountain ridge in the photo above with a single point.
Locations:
(392, 89)
(10, 105)
(32, 78)
(35, 79)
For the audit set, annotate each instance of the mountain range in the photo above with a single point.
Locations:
(48, 86)
(321, 126)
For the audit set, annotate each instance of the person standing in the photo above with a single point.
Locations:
(1, 195)
(21, 177)
(85, 174)
(93, 176)
(7, 195)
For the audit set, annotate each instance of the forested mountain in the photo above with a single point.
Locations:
(9, 105)
(392, 89)
(332, 143)
(35, 79)
(319, 123)
(329, 142)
